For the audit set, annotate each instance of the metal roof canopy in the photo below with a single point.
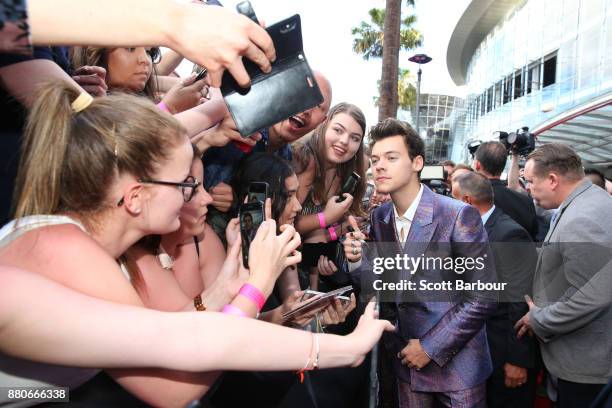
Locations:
(477, 21)
(586, 128)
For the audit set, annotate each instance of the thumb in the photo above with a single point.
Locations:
(188, 80)
(268, 208)
(234, 249)
(529, 301)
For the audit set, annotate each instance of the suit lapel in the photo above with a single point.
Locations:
(387, 226)
(492, 220)
(422, 228)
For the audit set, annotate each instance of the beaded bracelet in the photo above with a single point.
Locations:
(197, 302)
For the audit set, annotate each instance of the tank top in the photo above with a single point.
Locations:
(15, 372)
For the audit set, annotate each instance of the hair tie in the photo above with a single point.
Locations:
(81, 102)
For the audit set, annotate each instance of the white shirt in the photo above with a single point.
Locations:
(404, 222)
(485, 216)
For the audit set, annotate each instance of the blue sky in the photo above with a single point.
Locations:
(326, 29)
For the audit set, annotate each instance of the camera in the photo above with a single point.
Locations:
(472, 146)
(434, 176)
(521, 142)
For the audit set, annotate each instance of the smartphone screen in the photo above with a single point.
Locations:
(251, 216)
(258, 192)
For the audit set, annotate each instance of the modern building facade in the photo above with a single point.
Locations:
(435, 126)
(545, 64)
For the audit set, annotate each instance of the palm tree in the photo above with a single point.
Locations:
(406, 91)
(384, 38)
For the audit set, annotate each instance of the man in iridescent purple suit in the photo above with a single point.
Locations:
(438, 353)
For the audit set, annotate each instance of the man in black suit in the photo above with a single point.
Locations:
(490, 161)
(512, 383)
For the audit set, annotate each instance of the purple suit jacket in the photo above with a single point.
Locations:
(451, 329)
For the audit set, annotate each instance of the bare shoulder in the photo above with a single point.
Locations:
(69, 256)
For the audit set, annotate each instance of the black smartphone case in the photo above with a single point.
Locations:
(290, 87)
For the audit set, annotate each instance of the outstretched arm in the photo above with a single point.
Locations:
(213, 37)
(81, 331)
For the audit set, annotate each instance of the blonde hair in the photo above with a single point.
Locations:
(69, 160)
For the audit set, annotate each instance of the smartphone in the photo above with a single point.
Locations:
(246, 9)
(349, 186)
(251, 215)
(201, 74)
(258, 192)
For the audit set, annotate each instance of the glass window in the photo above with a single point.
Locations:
(550, 70)
(489, 99)
(518, 83)
(498, 94)
(533, 77)
(507, 89)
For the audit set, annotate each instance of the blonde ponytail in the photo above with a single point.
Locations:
(46, 137)
(70, 159)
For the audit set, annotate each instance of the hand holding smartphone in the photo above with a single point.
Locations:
(349, 186)
(251, 215)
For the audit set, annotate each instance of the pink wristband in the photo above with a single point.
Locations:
(163, 107)
(322, 222)
(332, 233)
(253, 294)
(233, 310)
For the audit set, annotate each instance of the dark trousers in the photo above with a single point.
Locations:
(576, 395)
(500, 396)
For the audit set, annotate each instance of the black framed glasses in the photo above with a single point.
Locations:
(188, 187)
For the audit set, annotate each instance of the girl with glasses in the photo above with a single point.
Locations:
(81, 157)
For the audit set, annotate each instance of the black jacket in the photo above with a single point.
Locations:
(515, 262)
(518, 206)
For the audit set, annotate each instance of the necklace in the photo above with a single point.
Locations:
(165, 260)
(330, 185)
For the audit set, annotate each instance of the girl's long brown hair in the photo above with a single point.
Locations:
(98, 56)
(315, 149)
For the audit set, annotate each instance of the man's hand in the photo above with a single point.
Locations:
(92, 79)
(222, 196)
(353, 242)
(515, 376)
(524, 325)
(413, 355)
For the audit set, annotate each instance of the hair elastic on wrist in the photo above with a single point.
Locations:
(315, 364)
